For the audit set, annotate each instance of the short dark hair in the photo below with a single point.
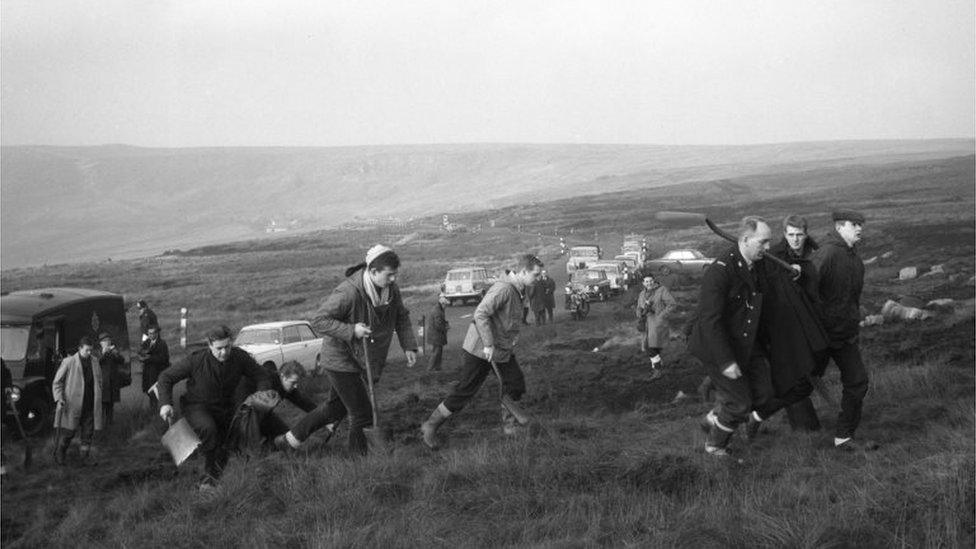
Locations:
(141, 304)
(794, 220)
(528, 262)
(749, 224)
(85, 340)
(218, 333)
(388, 259)
(292, 368)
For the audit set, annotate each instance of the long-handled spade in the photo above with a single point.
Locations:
(376, 436)
(506, 400)
(691, 217)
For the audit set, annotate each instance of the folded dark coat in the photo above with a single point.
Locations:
(791, 317)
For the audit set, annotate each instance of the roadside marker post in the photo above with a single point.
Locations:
(183, 327)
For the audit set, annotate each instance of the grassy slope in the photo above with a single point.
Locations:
(611, 460)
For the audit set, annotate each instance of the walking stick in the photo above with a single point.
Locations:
(58, 413)
(28, 451)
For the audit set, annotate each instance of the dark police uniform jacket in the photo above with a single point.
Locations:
(729, 307)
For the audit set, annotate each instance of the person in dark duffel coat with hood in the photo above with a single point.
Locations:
(357, 322)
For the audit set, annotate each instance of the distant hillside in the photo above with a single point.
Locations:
(66, 204)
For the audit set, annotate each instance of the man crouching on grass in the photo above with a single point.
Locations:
(491, 338)
(213, 376)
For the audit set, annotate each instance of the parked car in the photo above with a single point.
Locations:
(679, 261)
(581, 256)
(40, 327)
(631, 265)
(616, 274)
(278, 342)
(464, 283)
(593, 282)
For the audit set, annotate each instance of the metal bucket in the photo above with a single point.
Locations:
(181, 441)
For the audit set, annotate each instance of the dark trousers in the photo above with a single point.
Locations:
(108, 412)
(272, 425)
(853, 377)
(474, 370)
(436, 357)
(348, 395)
(548, 311)
(736, 398)
(540, 316)
(211, 425)
(85, 430)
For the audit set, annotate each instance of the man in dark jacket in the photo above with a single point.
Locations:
(791, 317)
(154, 354)
(548, 286)
(358, 321)
(114, 375)
(147, 318)
(728, 336)
(841, 273)
(436, 333)
(213, 376)
(285, 383)
(537, 300)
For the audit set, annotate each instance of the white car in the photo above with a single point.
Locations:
(279, 342)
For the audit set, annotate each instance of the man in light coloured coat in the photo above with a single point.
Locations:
(491, 338)
(77, 390)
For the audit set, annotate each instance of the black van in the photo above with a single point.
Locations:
(40, 327)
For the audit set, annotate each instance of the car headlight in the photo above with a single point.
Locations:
(14, 394)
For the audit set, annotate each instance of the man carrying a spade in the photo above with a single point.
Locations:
(357, 322)
(490, 343)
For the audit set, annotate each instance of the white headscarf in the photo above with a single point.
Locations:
(377, 298)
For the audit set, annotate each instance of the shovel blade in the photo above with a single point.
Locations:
(379, 440)
(514, 409)
(181, 441)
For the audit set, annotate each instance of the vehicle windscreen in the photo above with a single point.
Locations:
(585, 251)
(257, 337)
(13, 342)
(459, 275)
(595, 275)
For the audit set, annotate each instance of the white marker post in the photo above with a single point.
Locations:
(183, 327)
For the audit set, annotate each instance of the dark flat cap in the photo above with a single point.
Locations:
(104, 335)
(848, 215)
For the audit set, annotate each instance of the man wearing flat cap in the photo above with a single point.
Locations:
(841, 279)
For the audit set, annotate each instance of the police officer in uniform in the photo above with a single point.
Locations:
(727, 337)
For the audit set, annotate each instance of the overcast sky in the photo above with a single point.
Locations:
(179, 73)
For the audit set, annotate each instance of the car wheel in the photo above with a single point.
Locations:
(450, 302)
(35, 415)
